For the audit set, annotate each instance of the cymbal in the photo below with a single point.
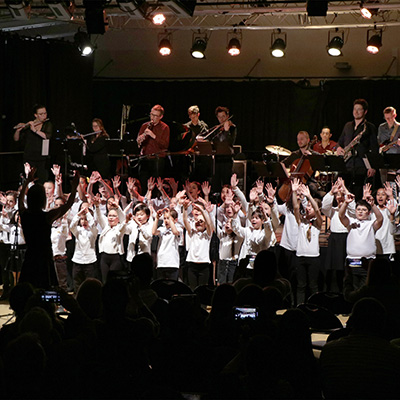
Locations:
(278, 150)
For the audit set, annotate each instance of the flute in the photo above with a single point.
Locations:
(22, 126)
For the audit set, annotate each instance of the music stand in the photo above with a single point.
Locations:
(335, 164)
(317, 162)
(204, 148)
(392, 161)
(376, 161)
(275, 170)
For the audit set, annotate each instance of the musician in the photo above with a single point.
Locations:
(197, 126)
(96, 151)
(389, 135)
(303, 141)
(358, 169)
(34, 134)
(325, 144)
(223, 140)
(153, 141)
(389, 131)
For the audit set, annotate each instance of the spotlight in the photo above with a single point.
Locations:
(158, 19)
(335, 44)
(62, 10)
(181, 8)
(165, 47)
(19, 9)
(138, 8)
(199, 45)
(374, 42)
(234, 47)
(278, 44)
(82, 41)
(367, 12)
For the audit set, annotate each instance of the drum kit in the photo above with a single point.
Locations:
(323, 178)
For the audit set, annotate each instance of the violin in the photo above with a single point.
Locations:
(300, 168)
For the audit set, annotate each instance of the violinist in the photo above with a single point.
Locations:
(325, 144)
(96, 151)
(223, 140)
(35, 135)
(303, 141)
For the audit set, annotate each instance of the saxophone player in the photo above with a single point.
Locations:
(358, 169)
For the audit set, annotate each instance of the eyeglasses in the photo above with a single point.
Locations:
(154, 115)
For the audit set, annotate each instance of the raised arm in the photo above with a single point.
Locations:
(378, 215)
(296, 203)
(342, 211)
(305, 191)
(56, 213)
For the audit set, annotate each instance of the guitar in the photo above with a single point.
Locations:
(386, 147)
(347, 150)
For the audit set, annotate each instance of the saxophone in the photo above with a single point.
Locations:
(347, 150)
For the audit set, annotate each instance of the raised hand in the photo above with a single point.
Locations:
(270, 192)
(3, 198)
(206, 188)
(391, 205)
(27, 169)
(253, 195)
(366, 190)
(305, 190)
(174, 185)
(349, 198)
(56, 170)
(295, 184)
(234, 181)
(388, 190)
(335, 187)
(260, 186)
(370, 200)
(160, 184)
(151, 183)
(116, 181)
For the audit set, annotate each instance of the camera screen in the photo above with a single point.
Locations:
(355, 263)
(245, 312)
(50, 296)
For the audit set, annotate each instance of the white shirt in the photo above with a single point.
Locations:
(145, 234)
(255, 239)
(290, 229)
(111, 238)
(168, 247)
(384, 238)
(59, 235)
(361, 239)
(333, 213)
(226, 242)
(305, 247)
(85, 244)
(199, 246)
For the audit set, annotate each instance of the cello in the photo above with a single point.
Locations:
(300, 168)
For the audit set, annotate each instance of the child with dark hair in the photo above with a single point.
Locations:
(307, 250)
(139, 229)
(361, 238)
(168, 245)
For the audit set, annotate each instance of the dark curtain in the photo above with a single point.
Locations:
(266, 112)
(51, 73)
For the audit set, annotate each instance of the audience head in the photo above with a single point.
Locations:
(89, 297)
(265, 268)
(368, 317)
(142, 267)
